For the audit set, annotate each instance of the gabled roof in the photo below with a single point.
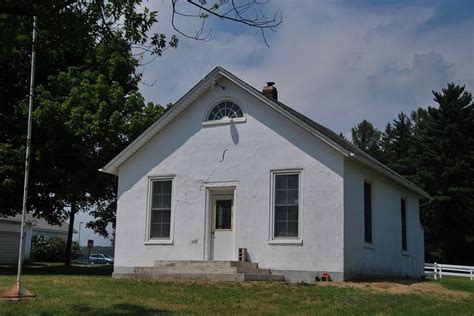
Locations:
(326, 135)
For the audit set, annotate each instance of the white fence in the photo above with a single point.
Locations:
(438, 270)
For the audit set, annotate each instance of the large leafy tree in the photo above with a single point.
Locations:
(82, 119)
(88, 106)
(57, 49)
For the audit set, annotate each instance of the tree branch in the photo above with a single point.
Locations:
(236, 13)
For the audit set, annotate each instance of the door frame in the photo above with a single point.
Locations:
(215, 189)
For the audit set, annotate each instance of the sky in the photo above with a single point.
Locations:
(87, 233)
(338, 62)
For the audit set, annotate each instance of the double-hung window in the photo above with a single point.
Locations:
(160, 209)
(403, 213)
(368, 212)
(286, 204)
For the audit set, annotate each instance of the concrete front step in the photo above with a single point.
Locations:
(202, 270)
(217, 270)
(199, 276)
(253, 270)
(204, 264)
(208, 267)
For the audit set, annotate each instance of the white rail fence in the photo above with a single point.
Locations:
(438, 270)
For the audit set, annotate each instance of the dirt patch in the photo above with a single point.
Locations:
(402, 287)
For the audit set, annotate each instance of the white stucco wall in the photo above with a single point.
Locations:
(192, 153)
(386, 257)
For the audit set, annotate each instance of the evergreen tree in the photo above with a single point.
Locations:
(367, 138)
(445, 168)
(434, 147)
(397, 145)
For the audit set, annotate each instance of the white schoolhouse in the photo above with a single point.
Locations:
(231, 174)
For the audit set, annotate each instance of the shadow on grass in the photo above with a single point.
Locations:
(59, 270)
(121, 309)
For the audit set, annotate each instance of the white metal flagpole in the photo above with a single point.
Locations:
(17, 290)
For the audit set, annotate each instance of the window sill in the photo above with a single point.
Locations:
(225, 121)
(369, 245)
(159, 242)
(285, 242)
(405, 253)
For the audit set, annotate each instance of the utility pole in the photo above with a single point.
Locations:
(17, 290)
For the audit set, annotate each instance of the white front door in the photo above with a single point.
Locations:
(222, 229)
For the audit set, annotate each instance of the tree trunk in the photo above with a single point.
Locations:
(67, 254)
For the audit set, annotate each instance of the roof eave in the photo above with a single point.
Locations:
(379, 167)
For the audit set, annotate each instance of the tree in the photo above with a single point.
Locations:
(131, 20)
(434, 148)
(397, 145)
(52, 249)
(445, 168)
(56, 49)
(367, 138)
(88, 104)
(96, 117)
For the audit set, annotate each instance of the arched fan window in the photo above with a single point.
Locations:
(226, 109)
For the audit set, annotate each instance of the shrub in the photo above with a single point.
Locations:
(51, 249)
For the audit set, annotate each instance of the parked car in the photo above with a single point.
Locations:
(100, 259)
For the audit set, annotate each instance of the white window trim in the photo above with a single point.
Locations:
(159, 241)
(369, 245)
(225, 121)
(286, 240)
(217, 101)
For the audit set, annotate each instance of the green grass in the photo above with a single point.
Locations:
(455, 283)
(79, 289)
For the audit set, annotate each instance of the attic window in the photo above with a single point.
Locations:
(225, 110)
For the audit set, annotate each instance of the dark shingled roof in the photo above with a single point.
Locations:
(328, 133)
(353, 150)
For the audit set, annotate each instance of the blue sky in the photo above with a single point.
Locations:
(338, 62)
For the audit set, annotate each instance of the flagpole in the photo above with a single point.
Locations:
(17, 291)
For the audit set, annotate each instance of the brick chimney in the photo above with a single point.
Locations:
(270, 91)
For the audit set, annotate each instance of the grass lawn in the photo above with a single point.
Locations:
(91, 290)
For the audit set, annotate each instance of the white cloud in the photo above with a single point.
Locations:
(402, 86)
(334, 63)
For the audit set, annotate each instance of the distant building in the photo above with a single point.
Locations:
(10, 235)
